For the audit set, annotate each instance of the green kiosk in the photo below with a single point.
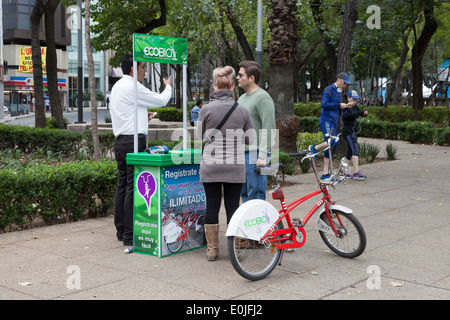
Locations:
(169, 200)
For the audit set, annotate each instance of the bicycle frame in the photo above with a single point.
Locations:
(279, 237)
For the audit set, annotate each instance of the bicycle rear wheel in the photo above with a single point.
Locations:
(350, 242)
(252, 260)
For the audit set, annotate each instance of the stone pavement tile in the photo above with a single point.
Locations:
(390, 269)
(420, 216)
(139, 288)
(83, 225)
(45, 276)
(412, 253)
(11, 294)
(72, 244)
(392, 290)
(17, 236)
(321, 282)
(273, 294)
(443, 283)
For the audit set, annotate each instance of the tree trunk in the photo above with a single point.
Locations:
(282, 55)
(345, 44)
(393, 88)
(282, 93)
(92, 88)
(242, 39)
(35, 21)
(418, 52)
(178, 83)
(206, 76)
(52, 63)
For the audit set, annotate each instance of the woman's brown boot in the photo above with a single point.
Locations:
(212, 237)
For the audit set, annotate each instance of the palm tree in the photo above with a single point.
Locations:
(282, 55)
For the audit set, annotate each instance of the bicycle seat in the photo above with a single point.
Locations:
(269, 170)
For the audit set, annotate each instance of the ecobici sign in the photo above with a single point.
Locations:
(159, 49)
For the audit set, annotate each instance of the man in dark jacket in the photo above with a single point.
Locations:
(329, 116)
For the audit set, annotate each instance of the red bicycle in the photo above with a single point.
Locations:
(257, 237)
(179, 229)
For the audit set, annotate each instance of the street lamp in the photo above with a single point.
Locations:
(80, 64)
(259, 23)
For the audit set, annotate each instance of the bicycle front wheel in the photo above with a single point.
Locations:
(175, 246)
(252, 260)
(350, 242)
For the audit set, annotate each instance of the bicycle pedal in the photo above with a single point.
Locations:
(292, 250)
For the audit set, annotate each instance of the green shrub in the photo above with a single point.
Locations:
(391, 152)
(288, 164)
(57, 193)
(30, 139)
(309, 124)
(442, 136)
(52, 123)
(305, 139)
(369, 151)
(419, 132)
(170, 114)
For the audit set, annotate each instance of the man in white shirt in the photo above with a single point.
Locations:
(122, 117)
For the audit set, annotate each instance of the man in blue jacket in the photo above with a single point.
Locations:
(329, 116)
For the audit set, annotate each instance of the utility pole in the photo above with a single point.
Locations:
(80, 80)
(259, 24)
(2, 86)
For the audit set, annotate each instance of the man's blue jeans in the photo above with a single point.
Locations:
(255, 185)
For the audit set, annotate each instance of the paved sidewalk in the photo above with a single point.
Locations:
(404, 207)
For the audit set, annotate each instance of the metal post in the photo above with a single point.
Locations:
(259, 35)
(2, 88)
(80, 80)
(184, 107)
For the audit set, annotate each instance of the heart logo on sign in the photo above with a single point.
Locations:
(146, 185)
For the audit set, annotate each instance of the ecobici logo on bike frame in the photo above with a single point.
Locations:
(158, 49)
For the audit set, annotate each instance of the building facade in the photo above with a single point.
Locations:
(18, 81)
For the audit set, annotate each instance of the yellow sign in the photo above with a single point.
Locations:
(26, 60)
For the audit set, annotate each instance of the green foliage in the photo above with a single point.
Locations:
(68, 143)
(419, 132)
(442, 136)
(64, 192)
(288, 164)
(52, 123)
(305, 139)
(369, 151)
(309, 124)
(391, 152)
(305, 165)
(30, 139)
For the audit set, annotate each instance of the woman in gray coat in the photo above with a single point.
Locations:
(223, 161)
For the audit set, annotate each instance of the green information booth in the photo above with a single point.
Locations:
(169, 201)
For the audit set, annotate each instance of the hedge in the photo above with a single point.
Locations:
(396, 114)
(412, 131)
(69, 143)
(57, 193)
(173, 114)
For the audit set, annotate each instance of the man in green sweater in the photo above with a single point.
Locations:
(262, 111)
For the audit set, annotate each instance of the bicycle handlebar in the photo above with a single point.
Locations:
(269, 170)
(299, 154)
